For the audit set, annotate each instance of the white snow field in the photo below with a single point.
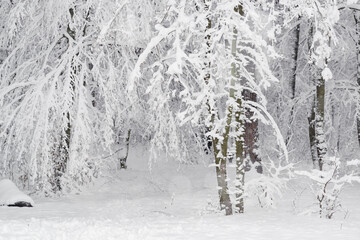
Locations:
(172, 202)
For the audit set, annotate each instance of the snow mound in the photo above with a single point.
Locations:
(10, 195)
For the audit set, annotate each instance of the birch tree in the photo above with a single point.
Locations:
(209, 79)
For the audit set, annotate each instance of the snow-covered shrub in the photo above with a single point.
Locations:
(212, 207)
(268, 186)
(328, 184)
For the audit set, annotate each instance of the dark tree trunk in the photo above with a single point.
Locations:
(317, 115)
(251, 134)
(319, 122)
(357, 25)
(312, 113)
(312, 137)
(294, 62)
(61, 161)
(124, 159)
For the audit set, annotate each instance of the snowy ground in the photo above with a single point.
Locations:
(170, 204)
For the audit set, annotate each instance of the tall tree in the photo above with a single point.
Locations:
(357, 41)
(238, 112)
(220, 147)
(60, 87)
(294, 68)
(322, 16)
(214, 89)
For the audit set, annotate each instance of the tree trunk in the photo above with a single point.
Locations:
(319, 122)
(316, 120)
(240, 163)
(239, 142)
(62, 160)
(124, 159)
(316, 126)
(311, 120)
(295, 57)
(312, 114)
(220, 161)
(220, 152)
(294, 60)
(357, 23)
(251, 134)
(220, 149)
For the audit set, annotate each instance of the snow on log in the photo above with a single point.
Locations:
(11, 196)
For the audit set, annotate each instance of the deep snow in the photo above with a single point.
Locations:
(172, 202)
(10, 194)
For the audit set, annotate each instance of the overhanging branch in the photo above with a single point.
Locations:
(355, 7)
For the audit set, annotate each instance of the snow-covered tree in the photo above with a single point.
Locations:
(204, 61)
(80, 78)
(62, 95)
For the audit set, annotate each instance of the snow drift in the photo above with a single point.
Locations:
(11, 196)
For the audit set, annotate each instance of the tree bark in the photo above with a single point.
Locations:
(357, 32)
(239, 142)
(251, 134)
(220, 159)
(220, 153)
(295, 57)
(240, 163)
(312, 137)
(316, 120)
(62, 160)
(220, 148)
(294, 60)
(319, 122)
(312, 114)
(124, 159)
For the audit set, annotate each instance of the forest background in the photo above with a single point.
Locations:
(269, 87)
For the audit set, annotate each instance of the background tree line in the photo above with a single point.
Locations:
(269, 83)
